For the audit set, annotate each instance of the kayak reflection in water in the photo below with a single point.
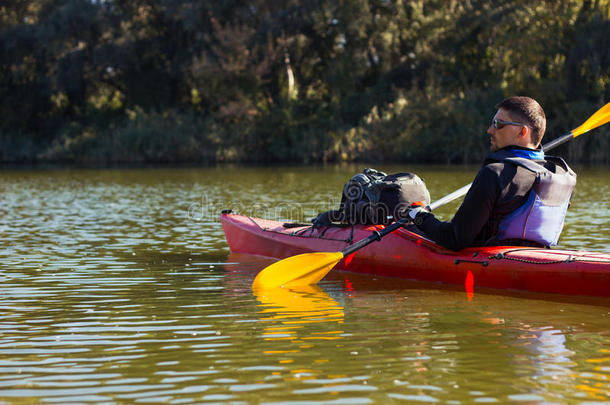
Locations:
(519, 196)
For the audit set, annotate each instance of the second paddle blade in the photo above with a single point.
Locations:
(601, 117)
(304, 269)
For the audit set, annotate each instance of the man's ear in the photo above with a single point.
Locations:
(526, 134)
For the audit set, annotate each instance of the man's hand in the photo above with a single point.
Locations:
(416, 208)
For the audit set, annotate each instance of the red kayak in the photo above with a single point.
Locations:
(404, 254)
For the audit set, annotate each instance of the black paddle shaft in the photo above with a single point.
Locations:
(556, 142)
(375, 236)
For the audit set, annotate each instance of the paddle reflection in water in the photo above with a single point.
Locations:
(290, 310)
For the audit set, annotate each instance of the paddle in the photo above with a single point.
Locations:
(309, 268)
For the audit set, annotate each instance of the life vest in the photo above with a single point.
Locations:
(541, 217)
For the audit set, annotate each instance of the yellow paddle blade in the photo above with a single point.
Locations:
(305, 269)
(600, 117)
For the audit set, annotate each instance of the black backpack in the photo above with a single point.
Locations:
(373, 197)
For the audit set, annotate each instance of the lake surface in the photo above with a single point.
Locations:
(117, 286)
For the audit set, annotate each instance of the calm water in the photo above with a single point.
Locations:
(117, 287)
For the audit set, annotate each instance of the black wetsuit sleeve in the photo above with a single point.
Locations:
(470, 218)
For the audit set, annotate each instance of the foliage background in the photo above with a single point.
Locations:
(103, 81)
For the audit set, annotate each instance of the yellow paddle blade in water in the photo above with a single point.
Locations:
(600, 117)
(304, 269)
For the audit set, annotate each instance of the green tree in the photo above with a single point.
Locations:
(293, 80)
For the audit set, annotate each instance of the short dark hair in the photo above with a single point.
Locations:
(528, 110)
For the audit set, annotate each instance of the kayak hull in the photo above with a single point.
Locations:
(404, 254)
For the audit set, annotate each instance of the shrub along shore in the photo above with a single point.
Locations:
(177, 81)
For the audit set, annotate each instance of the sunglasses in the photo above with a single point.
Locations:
(499, 124)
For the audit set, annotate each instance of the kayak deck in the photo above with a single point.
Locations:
(407, 255)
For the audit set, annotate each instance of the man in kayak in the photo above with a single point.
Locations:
(519, 197)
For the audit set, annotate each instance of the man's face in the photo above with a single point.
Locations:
(507, 135)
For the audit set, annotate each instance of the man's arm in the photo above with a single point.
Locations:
(469, 218)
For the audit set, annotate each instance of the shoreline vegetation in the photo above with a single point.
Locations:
(190, 82)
